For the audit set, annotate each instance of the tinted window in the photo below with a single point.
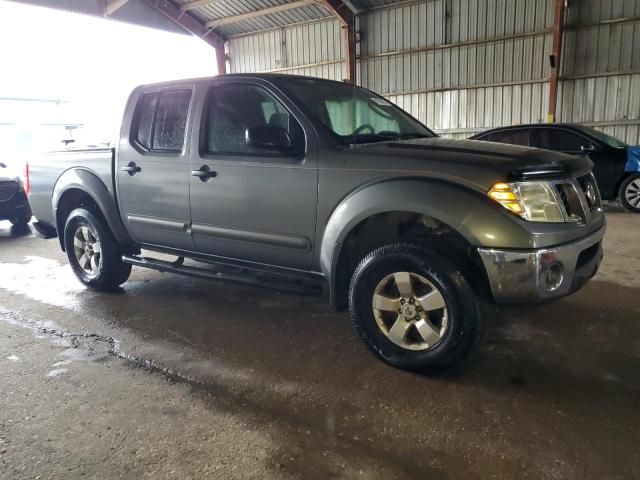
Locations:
(514, 137)
(231, 109)
(171, 120)
(146, 109)
(162, 119)
(556, 139)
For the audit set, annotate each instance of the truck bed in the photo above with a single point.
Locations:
(46, 169)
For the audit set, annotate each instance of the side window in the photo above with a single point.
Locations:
(161, 120)
(513, 137)
(232, 109)
(145, 110)
(556, 139)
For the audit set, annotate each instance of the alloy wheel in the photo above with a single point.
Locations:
(410, 311)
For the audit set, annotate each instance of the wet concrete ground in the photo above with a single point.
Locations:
(181, 378)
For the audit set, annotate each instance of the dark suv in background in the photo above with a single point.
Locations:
(14, 205)
(616, 164)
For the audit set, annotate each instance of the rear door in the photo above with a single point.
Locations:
(258, 204)
(152, 169)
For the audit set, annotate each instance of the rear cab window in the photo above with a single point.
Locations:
(160, 120)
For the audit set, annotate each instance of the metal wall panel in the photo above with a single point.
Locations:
(462, 66)
(600, 71)
(314, 49)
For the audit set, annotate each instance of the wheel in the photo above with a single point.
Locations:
(630, 193)
(414, 309)
(93, 252)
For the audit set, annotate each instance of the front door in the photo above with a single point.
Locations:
(153, 170)
(253, 202)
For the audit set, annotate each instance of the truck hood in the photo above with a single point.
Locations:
(476, 162)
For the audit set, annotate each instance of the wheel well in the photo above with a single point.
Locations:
(69, 201)
(392, 227)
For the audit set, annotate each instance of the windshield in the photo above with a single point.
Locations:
(603, 137)
(355, 115)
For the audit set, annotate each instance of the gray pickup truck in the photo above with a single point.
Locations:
(312, 185)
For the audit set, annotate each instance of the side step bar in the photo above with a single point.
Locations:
(247, 277)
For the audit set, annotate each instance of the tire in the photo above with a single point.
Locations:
(444, 285)
(20, 221)
(84, 228)
(629, 193)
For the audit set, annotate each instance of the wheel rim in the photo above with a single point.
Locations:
(87, 249)
(410, 311)
(632, 193)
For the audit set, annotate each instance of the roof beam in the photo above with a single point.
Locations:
(259, 13)
(186, 21)
(113, 6)
(197, 3)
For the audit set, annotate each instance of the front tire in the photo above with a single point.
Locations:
(93, 252)
(414, 309)
(630, 193)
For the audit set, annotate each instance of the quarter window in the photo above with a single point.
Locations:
(560, 140)
(232, 109)
(513, 137)
(161, 120)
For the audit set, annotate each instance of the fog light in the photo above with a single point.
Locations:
(553, 276)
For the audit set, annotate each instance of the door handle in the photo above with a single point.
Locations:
(131, 168)
(205, 173)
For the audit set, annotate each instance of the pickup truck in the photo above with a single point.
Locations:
(319, 186)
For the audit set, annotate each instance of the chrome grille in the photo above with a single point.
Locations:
(7, 190)
(579, 197)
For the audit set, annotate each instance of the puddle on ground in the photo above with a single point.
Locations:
(44, 280)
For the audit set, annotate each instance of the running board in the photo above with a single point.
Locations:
(261, 279)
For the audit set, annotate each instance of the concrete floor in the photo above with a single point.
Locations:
(181, 378)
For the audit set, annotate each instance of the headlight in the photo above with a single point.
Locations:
(533, 201)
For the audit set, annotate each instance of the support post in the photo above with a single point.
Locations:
(348, 20)
(554, 58)
(221, 58)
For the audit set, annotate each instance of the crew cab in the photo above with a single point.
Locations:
(312, 185)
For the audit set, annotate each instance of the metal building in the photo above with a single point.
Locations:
(460, 66)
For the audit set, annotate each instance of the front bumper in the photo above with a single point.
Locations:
(529, 276)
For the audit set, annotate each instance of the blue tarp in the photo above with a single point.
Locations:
(633, 159)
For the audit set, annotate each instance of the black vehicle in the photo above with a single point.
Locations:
(616, 164)
(14, 205)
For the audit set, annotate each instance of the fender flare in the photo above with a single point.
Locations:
(468, 212)
(88, 182)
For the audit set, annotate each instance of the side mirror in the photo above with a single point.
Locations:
(3, 165)
(268, 137)
(588, 148)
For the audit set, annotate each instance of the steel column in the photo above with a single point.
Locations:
(554, 58)
(348, 20)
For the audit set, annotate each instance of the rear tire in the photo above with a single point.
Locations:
(20, 221)
(428, 323)
(93, 252)
(629, 193)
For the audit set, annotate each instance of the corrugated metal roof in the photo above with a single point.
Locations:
(227, 8)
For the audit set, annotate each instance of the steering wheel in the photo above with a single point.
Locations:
(363, 127)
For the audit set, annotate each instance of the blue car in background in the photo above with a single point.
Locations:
(616, 164)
